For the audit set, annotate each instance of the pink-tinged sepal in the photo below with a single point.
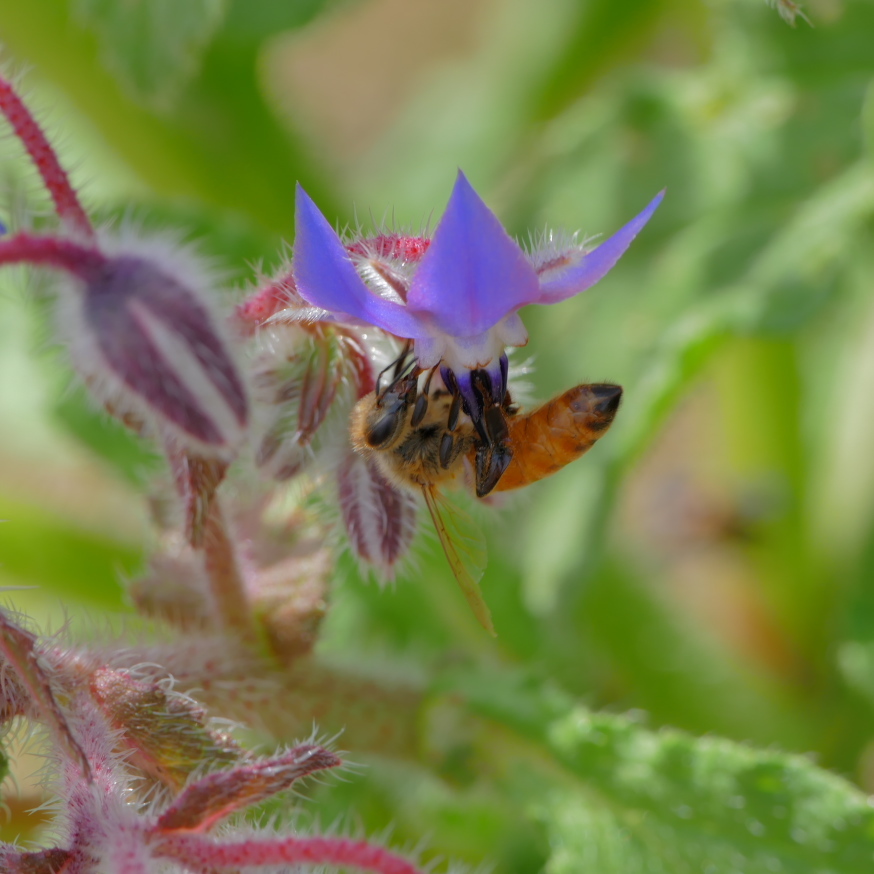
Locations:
(263, 304)
(474, 273)
(165, 735)
(32, 693)
(158, 342)
(207, 801)
(326, 277)
(380, 519)
(298, 379)
(573, 270)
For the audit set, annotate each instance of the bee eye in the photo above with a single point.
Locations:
(383, 430)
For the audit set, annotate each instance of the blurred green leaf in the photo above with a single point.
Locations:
(37, 549)
(104, 436)
(254, 20)
(154, 47)
(669, 802)
(604, 34)
(221, 145)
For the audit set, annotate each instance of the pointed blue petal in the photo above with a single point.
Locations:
(598, 263)
(326, 277)
(473, 273)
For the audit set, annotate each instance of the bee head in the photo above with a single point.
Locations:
(388, 416)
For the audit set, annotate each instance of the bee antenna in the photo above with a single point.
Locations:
(402, 367)
(400, 363)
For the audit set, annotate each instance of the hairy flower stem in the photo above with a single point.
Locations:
(203, 854)
(83, 262)
(46, 161)
(225, 578)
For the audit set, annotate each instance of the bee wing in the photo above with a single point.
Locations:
(463, 545)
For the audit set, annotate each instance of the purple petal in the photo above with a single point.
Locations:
(598, 263)
(473, 273)
(326, 277)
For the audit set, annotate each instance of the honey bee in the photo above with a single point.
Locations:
(557, 433)
(422, 441)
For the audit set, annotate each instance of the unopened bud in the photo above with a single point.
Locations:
(298, 379)
(380, 520)
(291, 600)
(158, 347)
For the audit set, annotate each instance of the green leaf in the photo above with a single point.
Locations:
(605, 34)
(154, 47)
(37, 548)
(665, 801)
(254, 20)
(706, 804)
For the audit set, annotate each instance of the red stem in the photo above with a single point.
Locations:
(225, 577)
(45, 159)
(25, 248)
(203, 854)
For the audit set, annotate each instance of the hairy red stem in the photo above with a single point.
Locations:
(24, 248)
(225, 578)
(203, 854)
(45, 159)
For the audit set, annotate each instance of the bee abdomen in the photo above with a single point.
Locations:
(558, 432)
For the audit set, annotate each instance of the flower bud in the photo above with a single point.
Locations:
(148, 338)
(380, 520)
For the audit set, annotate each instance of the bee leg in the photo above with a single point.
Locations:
(419, 409)
(491, 462)
(397, 367)
(400, 364)
(454, 412)
(447, 447)
(422, 400)
(493, 454)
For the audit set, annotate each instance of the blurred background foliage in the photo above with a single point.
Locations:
(710, 566)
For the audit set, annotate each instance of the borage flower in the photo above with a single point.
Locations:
(456, 296)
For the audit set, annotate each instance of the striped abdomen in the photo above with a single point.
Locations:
(560, 431)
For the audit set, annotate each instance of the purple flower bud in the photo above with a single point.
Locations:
(380, 520)
(143, 336)
(158, 343)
